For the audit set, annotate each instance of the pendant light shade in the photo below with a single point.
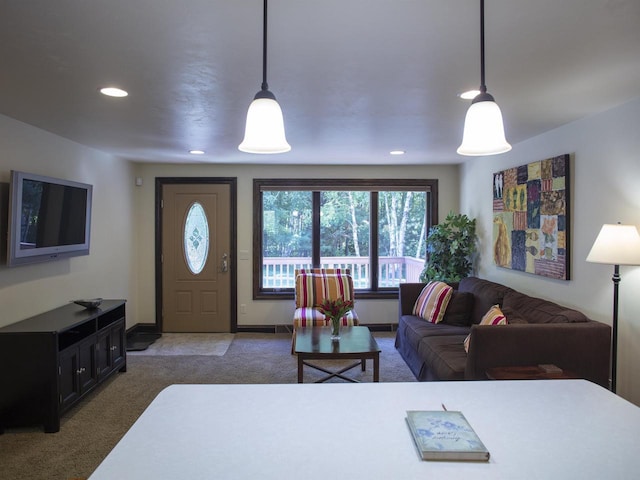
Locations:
(483, 127)
(264, 130)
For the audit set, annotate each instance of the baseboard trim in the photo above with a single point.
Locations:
(151, 328)
(263, 329)
(381, 327)
(142, 328)
(374, 327)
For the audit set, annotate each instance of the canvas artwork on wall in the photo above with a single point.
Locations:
(531, 218)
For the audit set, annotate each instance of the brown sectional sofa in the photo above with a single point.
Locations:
(538, 332)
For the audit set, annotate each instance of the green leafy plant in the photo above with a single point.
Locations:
(450, 248)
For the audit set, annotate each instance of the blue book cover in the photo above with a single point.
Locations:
(445, 435)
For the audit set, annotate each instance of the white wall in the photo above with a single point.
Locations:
(267, 312)
(605, 168)
(108, 271)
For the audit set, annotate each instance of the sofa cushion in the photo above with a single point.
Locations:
(538, 310)
(444, 356)
(432, 301)
(513, 316)
(486, 295)
(413, 329)
(459, 310)
(493, 317)
(420, 327)
(312, 317)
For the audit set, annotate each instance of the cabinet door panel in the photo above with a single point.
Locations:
(103, 353)
(88, 375)
(68, 370)
(118, 345)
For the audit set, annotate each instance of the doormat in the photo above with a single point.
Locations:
(141, 341)
(212, 344)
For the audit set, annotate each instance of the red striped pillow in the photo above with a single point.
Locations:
(432, 301)
(493, 317)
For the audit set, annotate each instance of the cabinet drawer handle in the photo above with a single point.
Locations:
(81, 370)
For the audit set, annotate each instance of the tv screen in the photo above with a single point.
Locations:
(49, 218)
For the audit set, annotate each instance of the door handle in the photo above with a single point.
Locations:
(225, 263)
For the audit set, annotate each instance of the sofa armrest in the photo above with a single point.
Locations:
(583, 348)
(407, 295)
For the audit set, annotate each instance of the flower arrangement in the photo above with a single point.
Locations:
(335, 310)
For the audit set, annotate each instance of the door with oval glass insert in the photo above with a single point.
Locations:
(195, 258)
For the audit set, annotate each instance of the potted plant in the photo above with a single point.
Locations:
(450, 248)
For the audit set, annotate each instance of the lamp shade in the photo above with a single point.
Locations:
(483, 130)
(264, 131)
(616, 245)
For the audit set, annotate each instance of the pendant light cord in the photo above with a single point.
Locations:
(483, 87)
(265, 86)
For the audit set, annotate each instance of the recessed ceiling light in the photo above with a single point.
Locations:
(196, 152)
(397, 152)
(469, 94)
(113, 92)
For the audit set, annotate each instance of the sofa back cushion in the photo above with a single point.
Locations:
(513, 316)
(486, 294)
(459, 310)
(538, 310)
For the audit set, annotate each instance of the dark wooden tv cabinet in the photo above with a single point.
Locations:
(50, 361)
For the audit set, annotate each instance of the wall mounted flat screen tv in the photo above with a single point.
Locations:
(49, 218)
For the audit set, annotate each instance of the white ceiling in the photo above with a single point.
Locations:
(355, 78)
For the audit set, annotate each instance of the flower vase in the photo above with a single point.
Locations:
(335, 328)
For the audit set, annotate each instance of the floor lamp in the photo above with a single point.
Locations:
(616, 245)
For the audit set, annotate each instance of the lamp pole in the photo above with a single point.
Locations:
(614, 340)
(616, 245)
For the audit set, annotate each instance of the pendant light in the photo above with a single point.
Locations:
(483, 127)
(264, 131)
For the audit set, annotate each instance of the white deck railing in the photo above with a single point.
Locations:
(278, 272)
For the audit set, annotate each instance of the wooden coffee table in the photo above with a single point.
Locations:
(314, 343)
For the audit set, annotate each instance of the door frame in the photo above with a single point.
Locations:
(233, 206)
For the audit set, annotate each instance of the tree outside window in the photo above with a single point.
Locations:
(375, 228)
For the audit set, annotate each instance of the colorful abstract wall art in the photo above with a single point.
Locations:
(531, 218)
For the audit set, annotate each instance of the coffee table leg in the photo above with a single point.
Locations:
(364, 364)
(376, 368)
(300, 368)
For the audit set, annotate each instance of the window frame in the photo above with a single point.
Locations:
(429, 186)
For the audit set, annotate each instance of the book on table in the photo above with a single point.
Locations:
(445, 435)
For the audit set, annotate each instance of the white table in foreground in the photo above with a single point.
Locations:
(547, 429)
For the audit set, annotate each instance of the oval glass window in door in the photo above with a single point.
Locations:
(196, 238)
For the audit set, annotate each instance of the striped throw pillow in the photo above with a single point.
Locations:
(493, 317)
(432, 301)
(313, 288)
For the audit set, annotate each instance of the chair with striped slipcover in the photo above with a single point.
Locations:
(313, 285)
